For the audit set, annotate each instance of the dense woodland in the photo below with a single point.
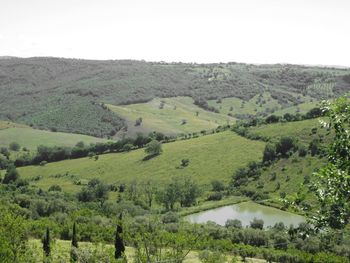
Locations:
(69, 94)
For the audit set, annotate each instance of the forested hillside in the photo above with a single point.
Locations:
(69, 94)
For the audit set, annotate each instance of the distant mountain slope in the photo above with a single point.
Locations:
(67, 94)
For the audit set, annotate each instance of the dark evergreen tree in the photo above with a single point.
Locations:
(46, 243)
(73, 254)
(119, 242)
(74, 236)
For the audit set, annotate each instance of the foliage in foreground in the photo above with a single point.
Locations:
(333, 184)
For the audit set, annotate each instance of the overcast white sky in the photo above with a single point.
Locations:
(253, 31)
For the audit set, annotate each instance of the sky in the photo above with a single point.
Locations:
(315, 32)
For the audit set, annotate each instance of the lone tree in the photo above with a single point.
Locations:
(119, 242)
(73, 254)
(46, 243)
(153, 148)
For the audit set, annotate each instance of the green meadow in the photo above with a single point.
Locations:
(301, 108)
(211, 157)
(176, 115)
(8, 124)
(253, 106)
(301, 130)
(31, 138)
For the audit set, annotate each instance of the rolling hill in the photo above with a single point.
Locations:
(300, 130)
(210, 157)
(169, 116)
(31, 138)
(69, 94)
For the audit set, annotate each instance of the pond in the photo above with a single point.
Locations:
(246, 212)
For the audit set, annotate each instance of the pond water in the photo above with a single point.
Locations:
(246, 212)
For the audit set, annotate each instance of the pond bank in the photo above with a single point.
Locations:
(246, 212)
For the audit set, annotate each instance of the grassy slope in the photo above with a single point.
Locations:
(290, 175)
(291, 172)
(7, 124)
(31, 138)
(301, 130)
(250, 107)
(211, 157)
(169, 119)
(300, 108)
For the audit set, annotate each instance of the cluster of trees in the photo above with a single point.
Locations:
(283, 148)
(157, 238)
(96, 191)
(181, 190)
(201, 102)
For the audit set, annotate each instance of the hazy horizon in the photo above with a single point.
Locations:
(251, 31)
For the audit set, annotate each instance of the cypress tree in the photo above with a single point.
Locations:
(119, 242)
(74, 236)
(73, 253)
(46, 243)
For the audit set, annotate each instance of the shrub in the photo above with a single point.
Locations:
(14, 146)
(257, 223)
(215, 196)
(285, 145)
(153, 148)
(302, 151)
(217, 186)
(55, 188)
(11, 175)
(185, 162)
(269, 154)
(235, 223)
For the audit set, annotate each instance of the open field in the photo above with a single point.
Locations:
(301, 108)
(301, 130)
(210, 157)
(169, 118)
(257, 104)
(8, 124)
(31, 138)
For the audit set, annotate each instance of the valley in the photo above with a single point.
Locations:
(95, 146)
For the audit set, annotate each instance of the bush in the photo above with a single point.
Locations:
(302, 151)
(257, 223)
(235, 223)
(55, 188)
(212, 257)
(215, 196)
(285, 145)
(170, 217)
(314, 147)
(185, 162)
(269, 154)
(14, 146)
(43, 163)
(217, 186)
(153, 148)
(11, 175)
